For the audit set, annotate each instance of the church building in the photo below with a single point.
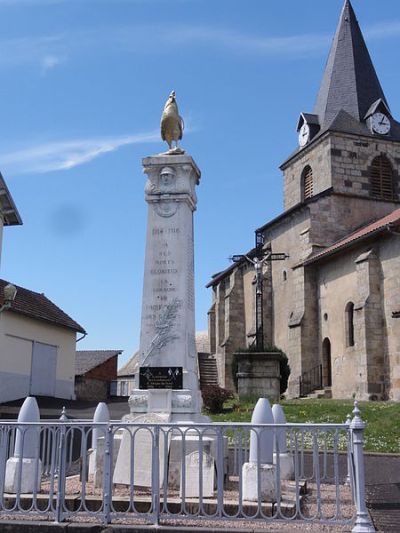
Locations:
(333, 305)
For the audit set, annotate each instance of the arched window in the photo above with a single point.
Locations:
(381, 178)
(307, 182)
(349, 320)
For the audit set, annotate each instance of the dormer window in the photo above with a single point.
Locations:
(307, 127)
(307, 183)
(381, 178)
(378, 118)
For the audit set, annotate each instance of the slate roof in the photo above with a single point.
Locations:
(88, 359)
(36, 305)
(350, 82)
(7, 206)
(370, 230)
(350, 88)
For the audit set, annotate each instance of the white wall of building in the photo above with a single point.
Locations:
(17, 337)
(1, 234)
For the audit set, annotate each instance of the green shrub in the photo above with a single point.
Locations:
(214, 398)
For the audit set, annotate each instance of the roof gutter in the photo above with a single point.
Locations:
(81, 338)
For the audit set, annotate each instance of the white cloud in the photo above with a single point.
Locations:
(63, 155)
(32, 50)
(241, 42)
(49, 62)
(50, 50)
(383, 29)
(17, 3)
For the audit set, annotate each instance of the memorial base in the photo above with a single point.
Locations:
(250, 482)
(23, 480)
(286, 465)
(182, 405)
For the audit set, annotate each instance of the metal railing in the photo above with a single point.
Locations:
(310, 380)
(158, 472)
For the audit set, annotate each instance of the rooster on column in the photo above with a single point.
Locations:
(171, 123)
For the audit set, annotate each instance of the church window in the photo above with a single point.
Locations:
(349, 317)
(307, 182)
(381, 178)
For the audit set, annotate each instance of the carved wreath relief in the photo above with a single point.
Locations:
(164, 328)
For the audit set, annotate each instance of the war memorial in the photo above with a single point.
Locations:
(166, 464)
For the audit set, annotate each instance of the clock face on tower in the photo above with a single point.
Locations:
(304, 134)
(380, 123)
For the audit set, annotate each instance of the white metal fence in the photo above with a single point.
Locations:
(158, 472)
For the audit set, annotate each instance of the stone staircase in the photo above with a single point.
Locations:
(318, 394)
(207, 370)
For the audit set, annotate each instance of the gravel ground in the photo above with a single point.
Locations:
(309, 509)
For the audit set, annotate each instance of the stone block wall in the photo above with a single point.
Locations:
(339, 161)
(367, 276)
(389, 254)
(235, 334)
(91, 389)
(259, 375)
(351, 157)
(318, 157)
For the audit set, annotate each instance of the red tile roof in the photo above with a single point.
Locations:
(393, 219)
(36, 305)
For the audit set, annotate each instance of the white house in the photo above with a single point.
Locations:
(37, 348)
(37, 339)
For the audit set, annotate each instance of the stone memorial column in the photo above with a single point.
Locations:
(168, 376)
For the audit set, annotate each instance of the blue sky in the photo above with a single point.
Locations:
(83, 84)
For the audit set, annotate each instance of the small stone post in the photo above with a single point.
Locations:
(23, 470)
(286, 465)
(363, 523)
(101, 414)
(259, 473)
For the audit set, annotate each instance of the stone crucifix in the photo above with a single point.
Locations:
(258, 262)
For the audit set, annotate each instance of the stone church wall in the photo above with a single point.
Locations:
(337, 286)
(368, 276)
(389, 255)
(318, 157)
(351, 157)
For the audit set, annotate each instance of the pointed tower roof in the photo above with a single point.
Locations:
(350, 82)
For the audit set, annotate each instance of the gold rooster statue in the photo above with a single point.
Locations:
(172, 124)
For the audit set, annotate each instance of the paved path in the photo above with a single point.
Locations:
(382, 478)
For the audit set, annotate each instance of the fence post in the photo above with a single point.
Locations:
(61, 473)
(348, 480)
(107, 488)
(156, 475)
(363, 523)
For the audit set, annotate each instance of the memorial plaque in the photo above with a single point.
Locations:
(160, 377)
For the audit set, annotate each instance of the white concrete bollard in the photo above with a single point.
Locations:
(286, 465)
(260, 458)
(102, 414)
(23, 470)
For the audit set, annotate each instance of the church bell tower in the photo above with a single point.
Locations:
(349, 146)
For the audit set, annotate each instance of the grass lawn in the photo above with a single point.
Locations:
(382, 433)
